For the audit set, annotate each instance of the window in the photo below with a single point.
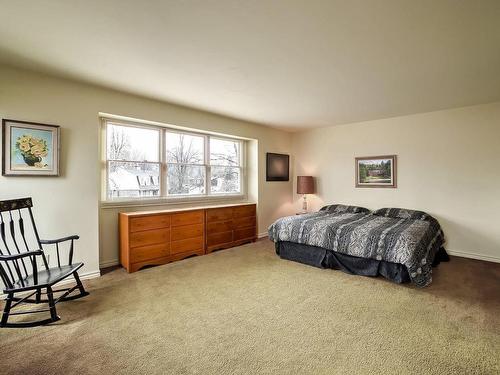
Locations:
(149, 161)
(186, 168)
(133, 161)
(225, 176)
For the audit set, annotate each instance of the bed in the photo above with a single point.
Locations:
(399, 244)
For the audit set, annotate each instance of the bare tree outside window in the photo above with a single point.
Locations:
(118, 143)
(225, 169)
(185, 164)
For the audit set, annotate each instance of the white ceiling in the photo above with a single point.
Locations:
(291, 64)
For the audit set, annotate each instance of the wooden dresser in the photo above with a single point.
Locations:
(158, 237)
(230, 226)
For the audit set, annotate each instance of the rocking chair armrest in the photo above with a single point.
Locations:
(59, 240)
(22, 255)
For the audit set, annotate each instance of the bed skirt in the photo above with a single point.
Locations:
(324, 258)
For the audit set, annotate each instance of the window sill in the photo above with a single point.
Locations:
(148, 202)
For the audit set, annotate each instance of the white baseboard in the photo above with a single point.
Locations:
(90, 275)
(116, 262)
(487, 258)
(109, 263)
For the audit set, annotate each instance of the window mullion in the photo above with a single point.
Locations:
(208, 169)
(163, 165)
(243, 171)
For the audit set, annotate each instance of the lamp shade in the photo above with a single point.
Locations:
(305, 185)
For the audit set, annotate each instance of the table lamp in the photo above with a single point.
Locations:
(305, 185)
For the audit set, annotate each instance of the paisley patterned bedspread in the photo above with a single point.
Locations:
(408, 237)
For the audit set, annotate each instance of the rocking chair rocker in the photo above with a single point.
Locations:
(22, 276)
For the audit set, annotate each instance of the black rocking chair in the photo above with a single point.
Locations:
(20, 248)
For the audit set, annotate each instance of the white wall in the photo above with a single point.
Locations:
(70, 203)
(448, 165)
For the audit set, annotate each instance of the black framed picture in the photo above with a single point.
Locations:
(277, 167)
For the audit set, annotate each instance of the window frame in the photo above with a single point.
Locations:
(166, 163)
(163, 196)
(240, 165)
(108, 161)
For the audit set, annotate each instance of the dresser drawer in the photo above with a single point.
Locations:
(139, 254)
(244, 211)
(219, 238)
(186, 218)
(187, 231)
(221, 226)
(149, 222)
(242, 234)
(183, 246)
(219, 214)
(243, 222)
(150, 237)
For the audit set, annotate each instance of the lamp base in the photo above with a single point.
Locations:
(304, 204)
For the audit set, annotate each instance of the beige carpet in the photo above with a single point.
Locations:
(245, 311)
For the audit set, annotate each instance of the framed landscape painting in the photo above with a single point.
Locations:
(376, 171)
(30, 149)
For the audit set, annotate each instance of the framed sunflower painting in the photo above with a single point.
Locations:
(30, 149)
